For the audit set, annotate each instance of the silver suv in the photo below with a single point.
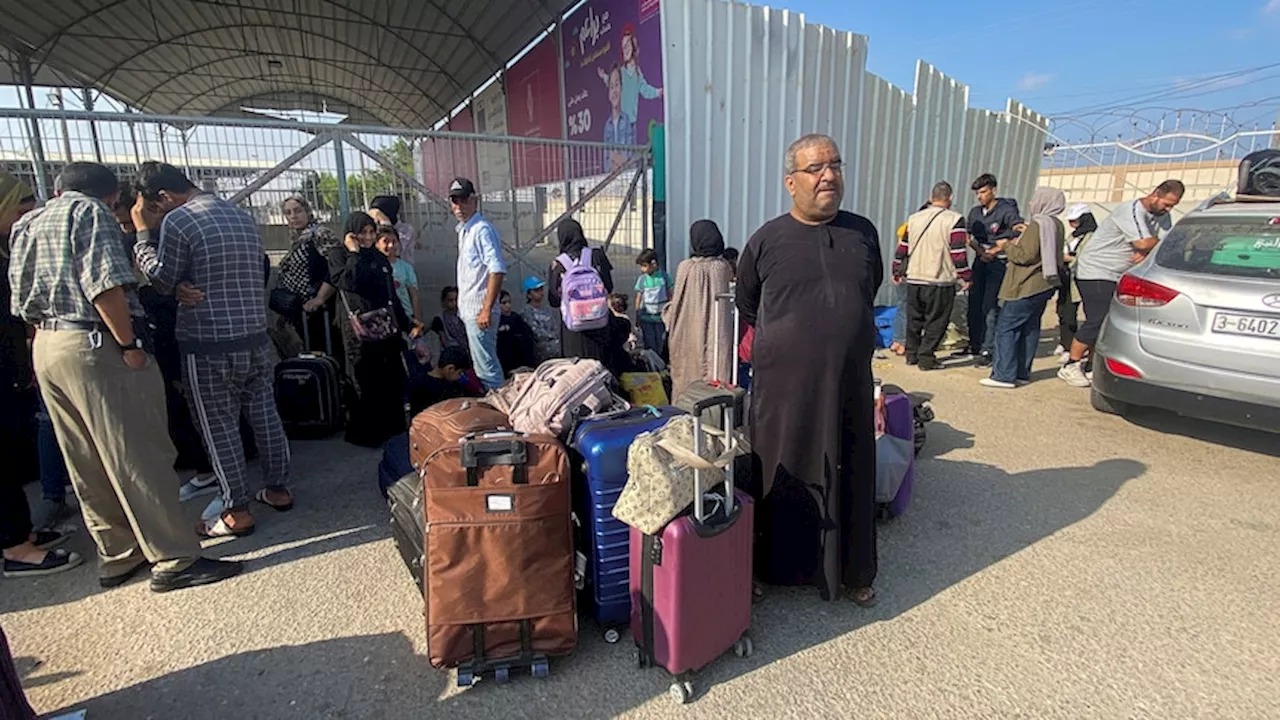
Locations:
(1195, 329)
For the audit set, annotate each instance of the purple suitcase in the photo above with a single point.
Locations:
(691, 583)
(899, 422)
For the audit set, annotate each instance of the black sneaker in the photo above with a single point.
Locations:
(202, 572)
(926, 365)
(49, 539)
(912, 360)
(984, 360)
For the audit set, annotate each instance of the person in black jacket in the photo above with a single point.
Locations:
(515, 338)
(592, 344)
(367, 297)
(991, 220)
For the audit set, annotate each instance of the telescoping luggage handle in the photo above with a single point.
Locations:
(494, 449)
(695, 459)
(306, 334)
(732, 298)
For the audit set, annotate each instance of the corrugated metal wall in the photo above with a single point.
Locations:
(744, 81)
(741, 82)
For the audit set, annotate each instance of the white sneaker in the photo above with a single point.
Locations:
(1064, 358)
(993, 383)
(198, 486)
(1059, 350)
(1072, 375)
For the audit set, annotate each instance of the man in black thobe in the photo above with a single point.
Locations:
(807, 282)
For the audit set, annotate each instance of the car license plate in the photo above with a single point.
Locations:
(1246, 325)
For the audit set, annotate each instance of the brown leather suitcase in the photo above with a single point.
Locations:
(445, 423)
(498, 555)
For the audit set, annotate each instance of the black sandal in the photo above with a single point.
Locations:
(49, 539)
(55, 561)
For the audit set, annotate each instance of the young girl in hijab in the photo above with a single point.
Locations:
(696, 323)
(385, 209)
(375, 362)
(592, 344)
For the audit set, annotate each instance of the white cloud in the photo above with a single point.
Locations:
(1271, 8)
(1035, 81)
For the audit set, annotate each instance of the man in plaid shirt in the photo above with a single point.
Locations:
(210, 244)
(72, 279)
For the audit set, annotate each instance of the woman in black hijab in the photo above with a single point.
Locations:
(592, 344)
(375, 365)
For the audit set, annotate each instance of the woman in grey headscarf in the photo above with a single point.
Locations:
(699, 330)
(1035, 272)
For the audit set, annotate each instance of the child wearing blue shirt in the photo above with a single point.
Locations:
(653, 292)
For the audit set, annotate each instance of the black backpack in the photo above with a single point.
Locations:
(1260, 174)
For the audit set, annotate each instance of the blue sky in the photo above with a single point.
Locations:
(1074, 54)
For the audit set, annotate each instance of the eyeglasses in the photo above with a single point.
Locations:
(816, 169)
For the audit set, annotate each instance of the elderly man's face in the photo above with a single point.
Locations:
(817, 184)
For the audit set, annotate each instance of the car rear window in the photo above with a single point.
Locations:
(1223, 246)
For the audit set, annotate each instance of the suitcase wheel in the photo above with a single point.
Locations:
(465, 678)
(681, 691)
(540, 669)
(502, 674)
(612, 636)
(743, 648)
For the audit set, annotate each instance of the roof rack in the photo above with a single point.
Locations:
(1219, 199)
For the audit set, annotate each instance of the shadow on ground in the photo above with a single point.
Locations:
(338, 507)
(1216, 433)
(965, 517)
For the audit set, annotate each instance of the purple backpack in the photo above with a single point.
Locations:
(584, 303)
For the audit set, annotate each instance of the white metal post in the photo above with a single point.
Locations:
(340, 164)
(37, 144)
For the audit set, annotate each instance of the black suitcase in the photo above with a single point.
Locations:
(405, 499)
(309, 392)
(1260, 174)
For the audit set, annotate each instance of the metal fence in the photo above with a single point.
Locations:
(526, 185)
(1109, 172)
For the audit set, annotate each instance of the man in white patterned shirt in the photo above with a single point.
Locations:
(227, 358)
(72, 279)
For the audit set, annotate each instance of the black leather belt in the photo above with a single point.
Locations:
(55, 325)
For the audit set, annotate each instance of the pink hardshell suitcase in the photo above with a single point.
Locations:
(691, 583)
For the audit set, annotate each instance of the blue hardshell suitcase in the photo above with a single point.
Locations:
(600, 447)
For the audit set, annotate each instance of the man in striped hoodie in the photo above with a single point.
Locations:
(931, 258)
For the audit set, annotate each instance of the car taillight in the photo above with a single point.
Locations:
(1136, 292)
(1119, 369)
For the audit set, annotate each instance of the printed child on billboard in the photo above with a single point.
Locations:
(634, 86)
(620, 128)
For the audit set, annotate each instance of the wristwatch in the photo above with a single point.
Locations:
(135, 345)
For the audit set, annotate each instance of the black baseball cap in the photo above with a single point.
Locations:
(461, 188)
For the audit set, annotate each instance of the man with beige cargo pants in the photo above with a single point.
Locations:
(72, 279)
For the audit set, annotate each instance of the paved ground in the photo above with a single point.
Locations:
(1056, 563)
